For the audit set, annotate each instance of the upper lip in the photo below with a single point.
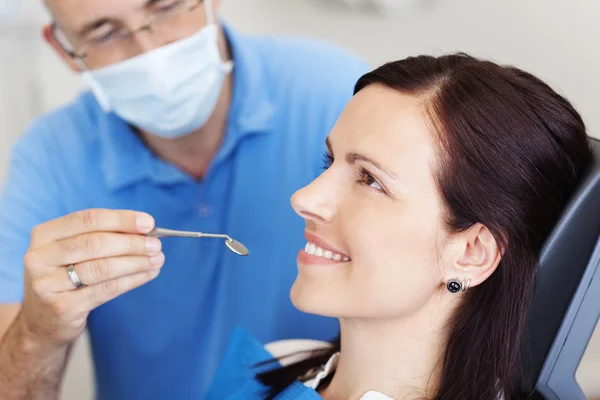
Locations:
(312, 238)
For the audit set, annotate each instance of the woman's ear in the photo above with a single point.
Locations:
(477, 256)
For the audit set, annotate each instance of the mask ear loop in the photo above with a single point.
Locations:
(97, 89)
(210, 12)
(211, 20)
(94, 86)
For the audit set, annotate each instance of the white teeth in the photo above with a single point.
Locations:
(313, 249)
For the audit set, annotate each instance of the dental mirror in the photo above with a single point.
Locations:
(236, 247)
(233, 245)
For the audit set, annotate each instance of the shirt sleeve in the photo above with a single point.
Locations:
(28, 198)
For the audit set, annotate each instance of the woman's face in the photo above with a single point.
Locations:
(376, 242)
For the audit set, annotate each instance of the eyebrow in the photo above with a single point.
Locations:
(352, 158)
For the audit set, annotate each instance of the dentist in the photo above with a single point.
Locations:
(188, 124)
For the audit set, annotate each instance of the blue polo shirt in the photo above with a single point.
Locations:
(165, 340)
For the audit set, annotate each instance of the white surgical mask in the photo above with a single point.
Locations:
(170, 91)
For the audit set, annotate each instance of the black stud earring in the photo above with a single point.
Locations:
(454, 286)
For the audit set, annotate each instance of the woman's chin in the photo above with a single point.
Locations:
(311, 299)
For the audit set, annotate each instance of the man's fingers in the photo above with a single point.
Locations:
(101, 270)
(92, 220)
(90, 297)
(91, 246)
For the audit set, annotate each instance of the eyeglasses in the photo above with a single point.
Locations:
(169, 19)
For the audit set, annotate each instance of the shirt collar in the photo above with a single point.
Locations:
(315, 377)
(127, 160)
(253, 105)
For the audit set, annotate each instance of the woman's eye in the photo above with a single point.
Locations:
(327, 160)
(367, 179)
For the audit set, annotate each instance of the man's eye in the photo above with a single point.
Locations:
(104, 37)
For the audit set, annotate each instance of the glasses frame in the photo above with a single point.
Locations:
(82, 52)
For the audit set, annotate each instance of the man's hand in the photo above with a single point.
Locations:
(110, 254)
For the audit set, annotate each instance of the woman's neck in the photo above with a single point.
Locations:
(399, 358)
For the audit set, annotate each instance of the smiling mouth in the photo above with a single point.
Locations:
(317, 251)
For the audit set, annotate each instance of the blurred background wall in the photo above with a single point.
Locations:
(555, 39)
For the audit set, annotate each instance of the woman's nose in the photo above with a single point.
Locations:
(317, 201)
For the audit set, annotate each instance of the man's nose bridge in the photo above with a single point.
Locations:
(147, 27)
(145, 38)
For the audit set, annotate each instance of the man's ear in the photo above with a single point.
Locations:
(477, 256)
(58, 49)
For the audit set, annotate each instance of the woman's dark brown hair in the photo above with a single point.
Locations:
(510, 152)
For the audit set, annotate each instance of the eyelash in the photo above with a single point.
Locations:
(327, 160)
(364, 177)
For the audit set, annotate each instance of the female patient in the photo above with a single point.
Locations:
(443, 178)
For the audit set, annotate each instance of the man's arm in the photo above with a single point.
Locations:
(8, 314)
(108, 250)
(29, 368)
